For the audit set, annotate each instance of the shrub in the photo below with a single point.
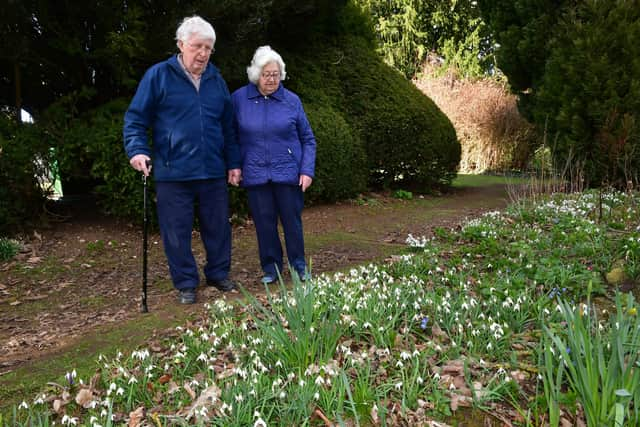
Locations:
(493, 134)
(98, 136)
(341, 170)
(590, 97)
(409, 141)
(25, 164)
(8, 248)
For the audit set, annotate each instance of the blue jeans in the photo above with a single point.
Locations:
(176, 208)
(268, 203)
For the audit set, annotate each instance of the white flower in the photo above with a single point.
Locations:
(259, 423)
(67, 420)
(398, 385)
(23, 405)
(120, 391)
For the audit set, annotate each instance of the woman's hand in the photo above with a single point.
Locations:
(234, 177)
(305, 182)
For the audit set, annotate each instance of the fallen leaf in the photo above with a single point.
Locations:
(57, 406)
(164, 379)
(375, 419)
(565, 422)
(34, 260)
(84, 398)
(189, 390)
(209, 397)
(173, 387)
(136, 417)
(15, 303)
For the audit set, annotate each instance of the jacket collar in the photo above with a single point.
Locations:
(253, 92)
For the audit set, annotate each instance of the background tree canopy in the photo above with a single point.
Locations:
(75, 65)
(575, 68)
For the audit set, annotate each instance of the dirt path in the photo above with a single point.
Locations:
(85, 273)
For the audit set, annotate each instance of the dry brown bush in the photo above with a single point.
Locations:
(492, 133)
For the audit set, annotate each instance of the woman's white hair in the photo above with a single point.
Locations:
(195, 26)
(264, 55)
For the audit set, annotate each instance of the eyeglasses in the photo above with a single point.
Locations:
(199, 46)
(275, 75)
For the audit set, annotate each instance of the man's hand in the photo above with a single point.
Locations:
(139, 162)
(305, 182)
(234, 176)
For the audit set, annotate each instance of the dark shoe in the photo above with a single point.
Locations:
(188, 296)
(268, 279)
(224, 285)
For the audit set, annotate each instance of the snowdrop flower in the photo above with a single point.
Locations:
(120, 391)
(132, 380)
(67, 420)
(316, 396)
(259, 423)
(398, 385)
(23, 405)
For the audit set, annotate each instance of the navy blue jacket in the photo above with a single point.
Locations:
(192, 131)
(276, 140)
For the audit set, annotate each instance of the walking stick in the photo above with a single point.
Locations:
(145, 232)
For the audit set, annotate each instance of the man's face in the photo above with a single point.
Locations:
(195, 53)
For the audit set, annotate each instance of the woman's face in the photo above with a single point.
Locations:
(269, 78)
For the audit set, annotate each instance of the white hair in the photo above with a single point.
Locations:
(195, 26)
(264, 55)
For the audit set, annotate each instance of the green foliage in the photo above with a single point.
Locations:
(409, 141)
(590, 92)
(341, 171)
(408, 30)
(373, 127)
(403, 194)
(599, 359)
(25, 163)
(574, 67)
(8, 248)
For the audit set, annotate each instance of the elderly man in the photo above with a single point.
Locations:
(185, 103)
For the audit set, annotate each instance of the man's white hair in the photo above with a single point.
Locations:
(264, 55)
(195, 26)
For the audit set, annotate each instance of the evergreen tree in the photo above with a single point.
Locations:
(575, 69)
(408, 30)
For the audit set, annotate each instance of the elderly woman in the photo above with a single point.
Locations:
(278, 152)
(186, 104)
